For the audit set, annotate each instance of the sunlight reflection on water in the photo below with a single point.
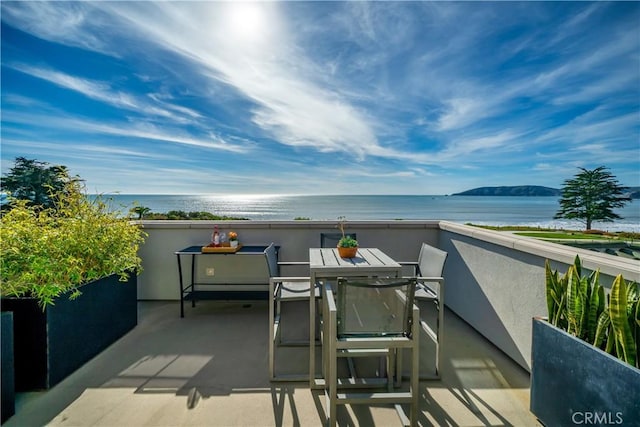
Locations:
(529, 211)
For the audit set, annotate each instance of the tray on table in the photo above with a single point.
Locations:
(220, 249)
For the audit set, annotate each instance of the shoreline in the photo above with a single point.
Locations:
(485, 210)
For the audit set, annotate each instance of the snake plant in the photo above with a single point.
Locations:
(578, 305)
(623, 311)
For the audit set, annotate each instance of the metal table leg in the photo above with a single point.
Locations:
(181, 286)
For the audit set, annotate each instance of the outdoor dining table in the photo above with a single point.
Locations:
(326, 263)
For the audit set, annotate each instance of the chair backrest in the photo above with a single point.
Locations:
(272, 260)
(431, 261)
(330, 240)
(375, 307)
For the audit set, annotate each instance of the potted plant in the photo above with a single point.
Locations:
(233, 239)
(585, 354)
(69, 277)
(347, 245)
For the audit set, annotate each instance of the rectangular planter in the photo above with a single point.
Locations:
(573, 382)
(8, 407)
(51, 344)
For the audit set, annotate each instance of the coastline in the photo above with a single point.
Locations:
(530, 211)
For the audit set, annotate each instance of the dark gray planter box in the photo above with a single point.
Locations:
(8, 407)
(52, 344)
(574, 383)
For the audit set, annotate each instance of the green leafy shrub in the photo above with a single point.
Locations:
(194, 215)
(578, 305)
(47, 252)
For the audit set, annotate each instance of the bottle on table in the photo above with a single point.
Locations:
(215, 237)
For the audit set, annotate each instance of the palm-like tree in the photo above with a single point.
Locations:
(141, 211)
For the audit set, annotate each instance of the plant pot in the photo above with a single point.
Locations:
(51, 344)
(573, 382)
(347, 252)
(233, 243)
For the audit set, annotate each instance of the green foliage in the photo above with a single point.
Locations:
(141, 211)
(345, 241)
(623, 311)
(556, 292)
(591, 196)
(562, 236)
(47, 252)
(561, 233)
(578, 305)
(348, 242)
(36, 182)
(194, 215)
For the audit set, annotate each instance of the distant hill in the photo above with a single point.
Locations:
(518, 190)
(634, 192)
(529, 190)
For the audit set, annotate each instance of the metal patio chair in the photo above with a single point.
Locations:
(283, 289)
(370, 317)
(430, 289)
(330, 240)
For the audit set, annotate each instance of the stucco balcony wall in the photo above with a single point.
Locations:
(494, 280)
(159, 281)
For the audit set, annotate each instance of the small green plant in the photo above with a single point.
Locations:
(193, 215)
(348, 242)
(345, 241)
(45, 253)
(141, 211)
(578, 305)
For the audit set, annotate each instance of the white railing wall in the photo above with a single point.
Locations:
(159, 280)
(494, 280)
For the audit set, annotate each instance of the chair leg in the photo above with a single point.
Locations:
(415, 369)
(391, 364)
(436, 336)
(398, 367)
(439, 335)
(278, 309)
(271, 334)
(333, 368)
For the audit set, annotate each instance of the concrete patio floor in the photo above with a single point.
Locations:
(210, 369)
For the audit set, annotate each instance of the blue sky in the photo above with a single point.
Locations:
(322, 98)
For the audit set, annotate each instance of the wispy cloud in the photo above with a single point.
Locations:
(101, 91)
(288, 104)
(389, 91)
(73, 24)
(147, 131)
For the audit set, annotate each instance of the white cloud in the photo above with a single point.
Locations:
(102, 92)
(402, 85)
(460, 112)
(597, 125)
(470, 147)
(74, 24)
(138, 129)
(94, 151)
(270, 70)
(542, 167)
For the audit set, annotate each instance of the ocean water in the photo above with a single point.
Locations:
(484, 210)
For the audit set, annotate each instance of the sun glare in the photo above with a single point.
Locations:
(247, 197)
(247, 20)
